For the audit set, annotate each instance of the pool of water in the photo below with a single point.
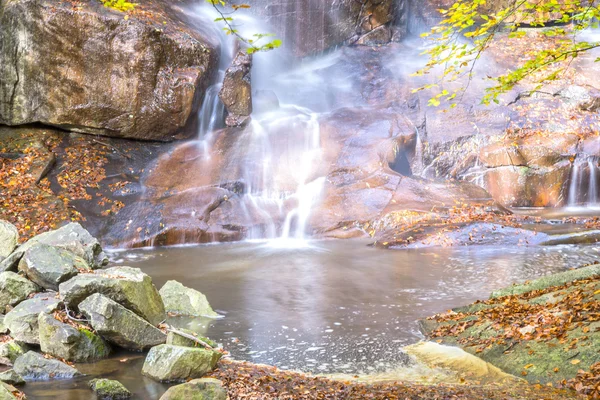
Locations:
(329, 307)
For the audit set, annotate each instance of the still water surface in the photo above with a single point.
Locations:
(331, 307)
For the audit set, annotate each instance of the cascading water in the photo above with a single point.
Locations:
(583, 183)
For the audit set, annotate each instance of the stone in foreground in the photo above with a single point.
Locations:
(33, 366)
(11, 377)
(128, 286)
(10, 351)
(167, 363)
(177, 339)
(49, 266)
(7, 392)
(197, 389)
(9, 239)
(120, 326)
(108, 389)
(182, 300)
(74, 238)
(67, 342)
(14, 289)
(22, 321)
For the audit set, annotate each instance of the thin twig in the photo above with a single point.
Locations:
(191, 337)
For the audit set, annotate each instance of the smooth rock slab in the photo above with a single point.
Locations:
(182, 300)
(22, 321)
(49, 266)
(9, 239)
(197, 389)
(33, 366)
(128, 286)
(10, 351)
(120, 326)
(74, 238)
(65, 341)
(14, 289)
(168, 363)
(107, 389)
(11, 377)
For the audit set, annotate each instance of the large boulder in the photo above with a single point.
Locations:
(197, 389)
(14, 289)
(74, 238)
(156, 71)
(33, 366)
(10, 351)
(182, 300)
(236, 92)
(127, 286)
(68, 342)
(120, 326)
(22, 321)
(167, 363)
(49, 266)
(9, 238)
(107, 389)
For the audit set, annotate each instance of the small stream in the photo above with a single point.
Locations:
(327, 307)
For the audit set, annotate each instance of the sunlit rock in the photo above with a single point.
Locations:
(167, 363)
(182, 300)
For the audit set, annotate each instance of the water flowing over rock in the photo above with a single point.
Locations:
(33, 366)
(107, 389)
(22, 321)
(119, 325)
(14, 289)
(197, 389)
(124, 285)
(9, 238)
(49, 266)
(69, 343)
(167, 363)
(236, 92)
(157, 72)
(182, 300)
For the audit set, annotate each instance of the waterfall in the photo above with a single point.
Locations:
(583, 183)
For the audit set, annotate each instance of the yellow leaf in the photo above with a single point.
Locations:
(575, 362)
(528, 366)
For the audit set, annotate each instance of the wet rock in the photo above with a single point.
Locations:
(236, 92)
(108, 389)
(9, 238)
(49, 266)
(22, 321)
(176, 339)
(69, 343)
(33, 366)
(182, 300)
(74, 238)
(197, 389)
(167, 363)
(14, 289)
(11, 377)
(127, 286)
(157, 76)
(120, 326)
(10, 351)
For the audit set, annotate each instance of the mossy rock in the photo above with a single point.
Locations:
(108, 389)
(10, 351)
(197, 389)
(168, 363)
(178, 340)
(15, 288)
(182, 300)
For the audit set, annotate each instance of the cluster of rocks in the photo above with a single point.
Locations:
(64, 306)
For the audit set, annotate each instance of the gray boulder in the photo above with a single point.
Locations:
(120, 326)
(168, 363)
(197, 389)
(11, 377)
(107, 389)
(9, 239)
(33, 366)
(10, 351)
(49, 266)
(22, 321)
(128, 286)
(7, 392)
(67, 342)
(74, 238)
(182, 300)
(11, 262)
(14, 289)
(156, 76)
